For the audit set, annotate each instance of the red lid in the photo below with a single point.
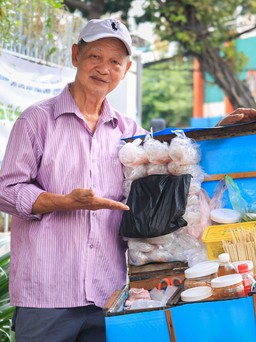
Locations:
(243, 268)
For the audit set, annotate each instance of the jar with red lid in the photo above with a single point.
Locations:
(248, 280)
(250, 270)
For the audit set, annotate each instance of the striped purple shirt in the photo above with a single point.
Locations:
(64, 259)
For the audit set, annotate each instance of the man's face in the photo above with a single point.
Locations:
(101, 65)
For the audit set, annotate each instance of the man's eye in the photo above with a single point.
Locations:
(94, 56)
(116, 62)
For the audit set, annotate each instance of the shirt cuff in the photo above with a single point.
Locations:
(26, 198)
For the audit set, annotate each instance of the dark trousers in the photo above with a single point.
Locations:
(81, 324)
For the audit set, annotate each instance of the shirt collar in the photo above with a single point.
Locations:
(108, 114)
(65, 103)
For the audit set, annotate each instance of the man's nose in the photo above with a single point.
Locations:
(103, 67)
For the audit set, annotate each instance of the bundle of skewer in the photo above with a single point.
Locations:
(242, 245)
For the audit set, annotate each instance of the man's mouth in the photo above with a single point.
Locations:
(98, 79)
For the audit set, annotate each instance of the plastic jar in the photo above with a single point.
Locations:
(250, 266)
(228, 286)
(196, 294)
(200, 275)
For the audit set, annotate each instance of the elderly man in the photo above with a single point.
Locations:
(61, 180)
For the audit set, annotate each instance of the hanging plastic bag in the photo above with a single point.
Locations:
(242, 201)
(219, 198)
(157, 204)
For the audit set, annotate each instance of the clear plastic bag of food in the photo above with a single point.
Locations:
(184, 150)
(135, 172)
(194, 170)
(157, 151)
(157, 169)
(133, 153)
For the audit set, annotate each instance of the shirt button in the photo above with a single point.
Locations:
(94, 214)
(91, 246)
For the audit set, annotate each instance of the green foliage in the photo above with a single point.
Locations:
(197, 25)
(6, 311)
(167, 93)
(6, 18)
(34, 10)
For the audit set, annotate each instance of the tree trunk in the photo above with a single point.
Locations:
(224, 75)
(90, 10)
(96, 9)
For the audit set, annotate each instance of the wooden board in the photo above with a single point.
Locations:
(148, 276)
(233, 175)
(211, 133)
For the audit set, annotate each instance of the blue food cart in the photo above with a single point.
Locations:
(229, 150)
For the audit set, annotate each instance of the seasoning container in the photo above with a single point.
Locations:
(248, 281)
(250, 266)
(247, 286)
(225, 266)
(228, 286)
(200, 275)
(196, 294)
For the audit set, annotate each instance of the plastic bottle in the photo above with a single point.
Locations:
(248, 280)
(225, 266)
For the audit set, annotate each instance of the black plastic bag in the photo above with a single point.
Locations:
(157, 204)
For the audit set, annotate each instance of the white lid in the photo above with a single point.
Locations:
(201, 270)
(224, 215)
(248, 262)
(226, 280)
(224, 257)
(196, 293)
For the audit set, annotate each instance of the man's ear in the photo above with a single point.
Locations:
(127, 68)
(75, 53)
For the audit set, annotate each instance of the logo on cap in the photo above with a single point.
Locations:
(114, 25)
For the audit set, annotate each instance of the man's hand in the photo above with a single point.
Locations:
(87, 199)
(239, 115)
(77, 199)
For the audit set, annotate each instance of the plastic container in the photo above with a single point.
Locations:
(200, 275)
(248, 280)
(225, 266)
(250, 266)
(247, 286)
(228, 286)
(214, 235)
(224, 215)
(196, 294)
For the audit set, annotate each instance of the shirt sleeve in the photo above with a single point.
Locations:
(131, 128)
(18, 186)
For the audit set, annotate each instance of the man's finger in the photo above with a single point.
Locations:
(113, 205)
